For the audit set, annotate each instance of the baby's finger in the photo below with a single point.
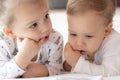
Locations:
(42, 41)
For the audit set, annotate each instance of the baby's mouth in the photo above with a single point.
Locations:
(82, 52)
(45, 38)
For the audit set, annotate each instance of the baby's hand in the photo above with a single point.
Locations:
(70, 55)
(27, 49)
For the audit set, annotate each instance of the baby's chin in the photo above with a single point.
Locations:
(88, 56)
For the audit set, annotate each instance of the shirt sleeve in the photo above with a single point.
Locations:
(10, 70)
(85, 67)
(107, 68)
(8, 67)
(55, 58)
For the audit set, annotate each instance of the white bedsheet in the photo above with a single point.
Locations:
(70, 77)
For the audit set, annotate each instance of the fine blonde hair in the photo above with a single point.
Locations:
(7, 8)
(105, 8)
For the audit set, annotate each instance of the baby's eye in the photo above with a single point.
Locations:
(34, 25)
(89, 36)
(46, 16)
(73, 34)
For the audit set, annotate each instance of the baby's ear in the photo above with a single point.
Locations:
(8, 32)
(108, 29)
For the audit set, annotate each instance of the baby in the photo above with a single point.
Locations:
(29, 47)
(93, 45)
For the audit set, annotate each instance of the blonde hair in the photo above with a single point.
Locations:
(106, 8)
(7, 11)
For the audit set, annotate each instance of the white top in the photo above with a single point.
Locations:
(107, 59)
(49, 55)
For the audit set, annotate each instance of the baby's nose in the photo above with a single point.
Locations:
(80, 43)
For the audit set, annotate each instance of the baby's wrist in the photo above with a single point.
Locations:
(73, 64)
(22, 61)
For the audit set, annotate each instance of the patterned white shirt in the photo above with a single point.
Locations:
(50, 55)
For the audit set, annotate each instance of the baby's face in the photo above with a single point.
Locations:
(86, 32)
(32, 21)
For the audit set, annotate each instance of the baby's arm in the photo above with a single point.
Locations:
(27, 50)
(80, 64)
(35, 70)
(53, 64)
(11, 64)
(71, 56)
